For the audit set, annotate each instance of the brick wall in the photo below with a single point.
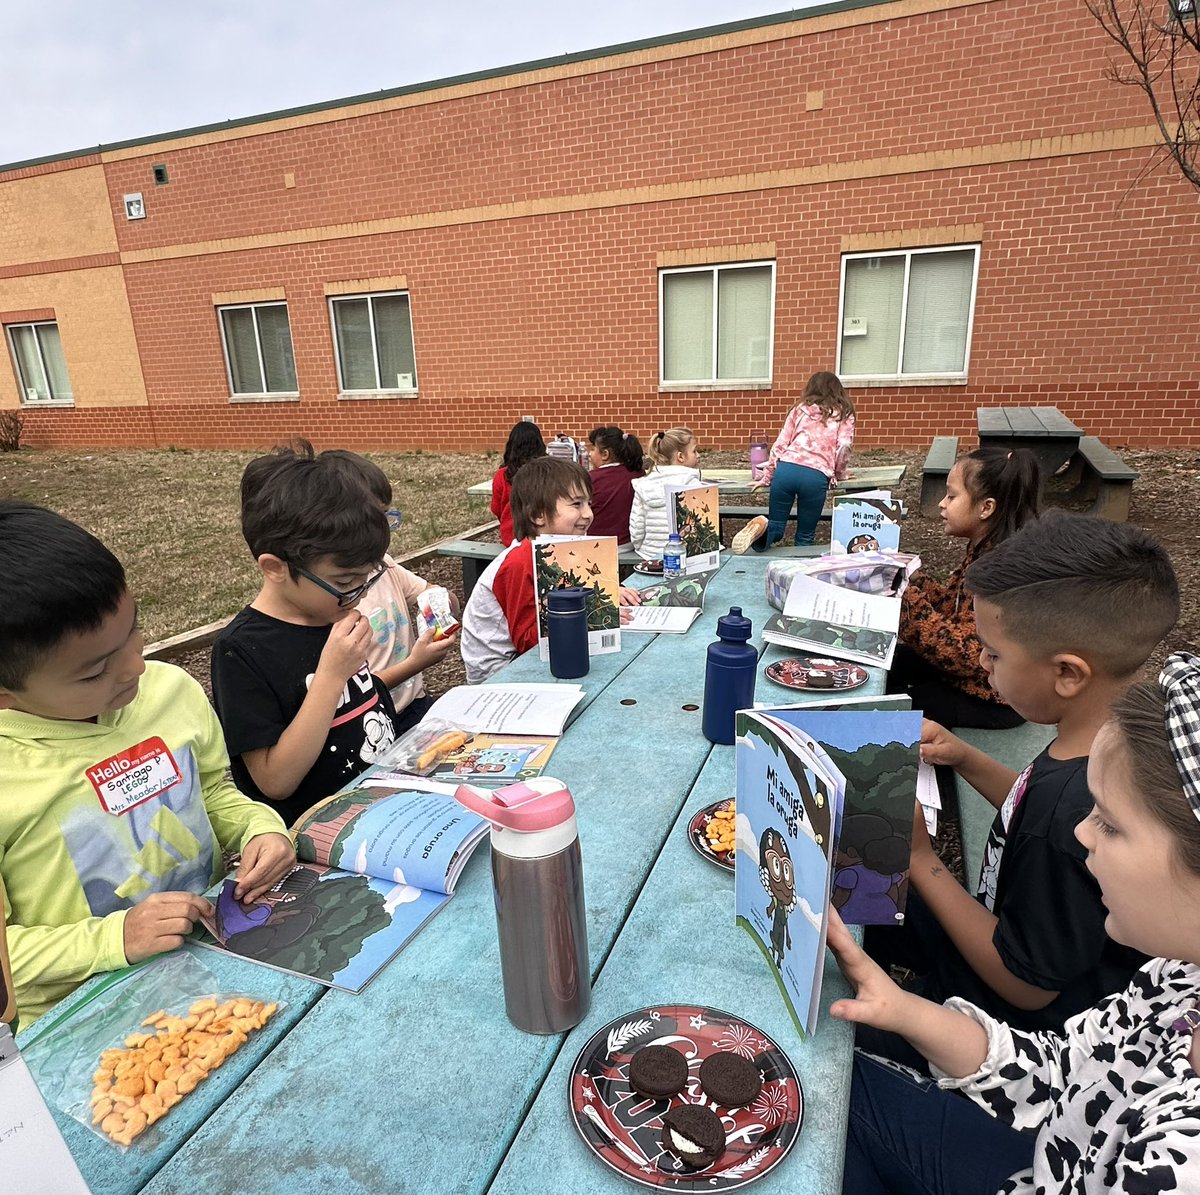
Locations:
(528, 215)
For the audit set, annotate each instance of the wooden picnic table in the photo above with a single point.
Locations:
(1045, 431)
(420, 1083)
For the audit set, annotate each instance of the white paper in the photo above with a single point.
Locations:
(664, 620)
(927, 789)
(508, 709)
(931, 816)
(839, 617)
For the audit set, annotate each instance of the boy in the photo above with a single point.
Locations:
(116, 809)
(549, 497)
(1067, 610)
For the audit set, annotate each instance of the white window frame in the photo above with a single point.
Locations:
(54, 400)
(713, 382)
(898, 378)
(369, 392)
(255, 395)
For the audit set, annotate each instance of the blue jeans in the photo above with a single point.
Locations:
(908, 1137)
(803, 486)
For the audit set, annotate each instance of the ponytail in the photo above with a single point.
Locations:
(1013, 480)
(624, 447)
(664, 446)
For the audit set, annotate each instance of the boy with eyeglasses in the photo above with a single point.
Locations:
(302, 712)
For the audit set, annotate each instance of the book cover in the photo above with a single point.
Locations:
(374, 866)
(865, 522)
(585, 562)
(694, 514)
(833, 621)
(669, 607)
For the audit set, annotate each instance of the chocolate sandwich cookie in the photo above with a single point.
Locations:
(729, 1079)
(694, 1134)
(658, 1071)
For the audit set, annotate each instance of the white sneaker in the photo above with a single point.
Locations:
(753, 531)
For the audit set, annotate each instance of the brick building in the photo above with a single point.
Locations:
(944, 200)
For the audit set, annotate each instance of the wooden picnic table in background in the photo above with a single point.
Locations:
(1045, 431)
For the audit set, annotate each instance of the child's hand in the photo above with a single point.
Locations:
(161, 922)
(629, 596)
(939, 746)
(427, 650)
(265, 861)
(345, 651)
(877, 1000)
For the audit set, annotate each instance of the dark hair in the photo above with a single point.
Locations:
(666, 446)
(303, 508)
(525, 443)
(1013, 480)
(356, 466)
(1139, 716)
(56, 580)
(1076, 583)
(829, 395)
(623, 447)
(538, 487)
(368, 472)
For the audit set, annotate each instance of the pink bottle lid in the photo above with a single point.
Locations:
(519, 807)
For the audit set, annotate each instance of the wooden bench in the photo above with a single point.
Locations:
(749, 511)
(476, 556)
(939, 460)
(1099, 473)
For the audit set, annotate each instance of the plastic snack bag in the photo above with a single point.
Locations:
(434, 612)
(419, 750)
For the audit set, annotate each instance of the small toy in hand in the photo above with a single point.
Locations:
(433, 606)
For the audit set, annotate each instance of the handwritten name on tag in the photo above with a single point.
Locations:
(134, 775)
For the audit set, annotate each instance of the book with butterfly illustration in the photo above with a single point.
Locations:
(375, 864)
(585, 562)
(694, 514)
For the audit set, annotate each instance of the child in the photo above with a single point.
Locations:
(302, 713)
(1112, 1101)
(990, 494)
(616, 459)
(676, 456)
(1030, 946)
(525, 443)
(116, 810)
(812, 449)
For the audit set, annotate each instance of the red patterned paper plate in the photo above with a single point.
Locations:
(652, 568)
(624, 1129)
(817, 675)
(699, 839)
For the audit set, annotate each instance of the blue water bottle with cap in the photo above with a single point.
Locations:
(729, 676)
(567, 633)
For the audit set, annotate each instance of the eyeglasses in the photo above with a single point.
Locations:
(344, 597)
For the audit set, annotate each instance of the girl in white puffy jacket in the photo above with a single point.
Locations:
(676, 457)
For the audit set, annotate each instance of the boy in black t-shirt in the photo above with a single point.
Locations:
(301, 711)
(1067, 610)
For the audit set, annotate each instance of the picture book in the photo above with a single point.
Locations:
(832, 621)
(825, 803)
(694, 514)
(525, 708)
(865, 522)
(484, 759)
(374, 866)
(669, 607)
(580, 561)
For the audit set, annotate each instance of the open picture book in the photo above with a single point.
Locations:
(584, 562)
(694, 514)
(524, 708)
(825, 803)
(670, 607)
(374, 865)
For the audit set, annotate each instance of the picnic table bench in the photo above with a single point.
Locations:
(1099, 473)
(1045, 431)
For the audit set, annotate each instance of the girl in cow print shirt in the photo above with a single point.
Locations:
(1110, 1104)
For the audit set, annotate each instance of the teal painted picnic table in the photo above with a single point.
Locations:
(420, 1083)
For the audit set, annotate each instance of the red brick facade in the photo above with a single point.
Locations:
(528, 214)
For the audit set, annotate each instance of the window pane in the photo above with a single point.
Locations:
(33, 380)
(874, 294)
(352, 326)
(275, 337)
(393, 341)
(687, 327)
(242, 350)
(54, 361)
(743, 322)
(939, 301)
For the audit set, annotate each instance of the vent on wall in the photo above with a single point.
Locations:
(160, 175)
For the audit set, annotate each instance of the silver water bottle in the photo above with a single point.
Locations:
(537, 878)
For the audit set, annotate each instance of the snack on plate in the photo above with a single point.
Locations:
(139, 1084)
(658, 1071)
(694, 1134)
(729, 1079)
(720, 831)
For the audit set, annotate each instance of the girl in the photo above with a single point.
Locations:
(1114, 1099)
(990, 494)
(812, 449)
(525, 443)
(616, 459)
(676, 457)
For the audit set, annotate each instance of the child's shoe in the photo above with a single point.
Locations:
(753, 531)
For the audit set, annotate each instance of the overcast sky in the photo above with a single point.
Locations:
(78, 73)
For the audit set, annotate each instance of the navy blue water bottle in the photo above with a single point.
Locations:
(728, 677)
(566, 630)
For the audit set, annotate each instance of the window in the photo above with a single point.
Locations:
(374, 342)
(258, 349)
(908, 313)
(716, 324)
(41, 366)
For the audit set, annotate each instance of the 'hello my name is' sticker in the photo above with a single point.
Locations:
(134, 775)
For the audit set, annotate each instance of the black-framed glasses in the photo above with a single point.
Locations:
(345, 597)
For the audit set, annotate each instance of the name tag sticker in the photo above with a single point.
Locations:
(134, 775)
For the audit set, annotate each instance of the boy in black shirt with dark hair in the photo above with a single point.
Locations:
(1067, 610)
(301, 711)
